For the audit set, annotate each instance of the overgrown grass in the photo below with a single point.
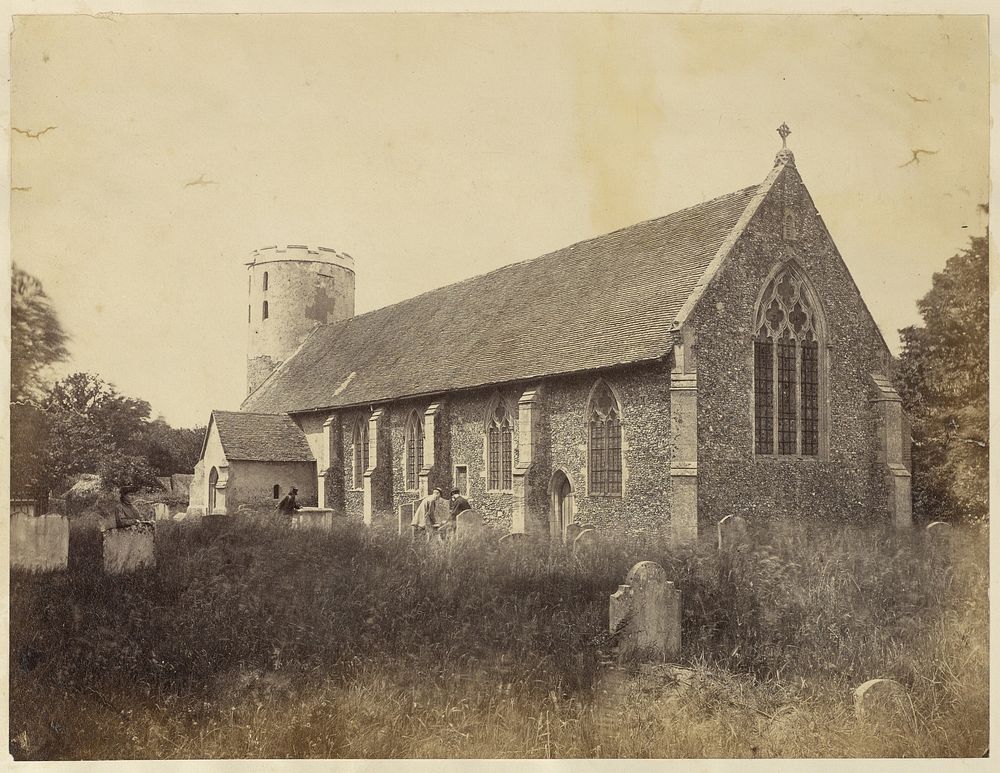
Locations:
(265, 642)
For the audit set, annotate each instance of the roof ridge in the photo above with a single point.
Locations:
(506, 266)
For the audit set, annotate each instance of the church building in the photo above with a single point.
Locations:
(716, 361)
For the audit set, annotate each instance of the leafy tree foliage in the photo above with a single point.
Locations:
(37, 340)
(943, 379)
(88, 419)
(170, 449)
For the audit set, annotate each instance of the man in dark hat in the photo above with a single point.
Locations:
(288, 505)
(458, 504)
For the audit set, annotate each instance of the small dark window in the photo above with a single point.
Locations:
(265, 280)
(248, 313)
(277, 491)
(264, 313)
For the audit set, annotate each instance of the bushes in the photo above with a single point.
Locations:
(352, 613)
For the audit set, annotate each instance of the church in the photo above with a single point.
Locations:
(716, 361)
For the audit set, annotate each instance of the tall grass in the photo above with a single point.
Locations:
(260, 641)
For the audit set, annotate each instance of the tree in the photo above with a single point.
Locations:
(88, 420)
(168, 449)
(943, 379)
(37, 340)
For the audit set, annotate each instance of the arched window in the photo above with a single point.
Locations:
(265, 280)
(276, 491)
(359, 452)
(263, 314)
(604, 457)
(414, 450)
(499, 449)
(788, 330)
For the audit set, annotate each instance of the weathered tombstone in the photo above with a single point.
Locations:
(645, 613)
(572, 530)
(129, 548)
(880, 699)
(161, 512)
(512, 539)
(442, 511)
(39, 543)
(313, 518)
(732, 531)
(468, 525)
(584, 541)
(405, 516)
(216, 523)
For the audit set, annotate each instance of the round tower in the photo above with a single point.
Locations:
(292, 288)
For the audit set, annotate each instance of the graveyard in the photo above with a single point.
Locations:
(257, 636)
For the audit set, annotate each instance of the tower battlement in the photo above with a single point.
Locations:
(291, 289)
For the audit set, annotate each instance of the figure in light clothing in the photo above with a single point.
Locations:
(423, 514)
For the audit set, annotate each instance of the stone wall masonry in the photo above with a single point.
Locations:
(644, 506)
(39, 543)
(732, 480)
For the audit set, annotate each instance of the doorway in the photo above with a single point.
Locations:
(213, 480)
(562, 505)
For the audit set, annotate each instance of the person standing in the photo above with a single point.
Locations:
(423, 514)
(458, 504)
(288, 505)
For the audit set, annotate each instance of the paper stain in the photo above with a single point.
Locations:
(618, 120)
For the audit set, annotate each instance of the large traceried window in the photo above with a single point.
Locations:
(604, 457)
(359, 452)
(499, 449)
(786, 368)
(414, 450)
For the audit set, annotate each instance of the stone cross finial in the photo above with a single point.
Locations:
(783, 132)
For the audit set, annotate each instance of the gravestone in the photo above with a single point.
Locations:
(732, 532)
(161, 512)
(584, 541)
(645, 613)
(880, 699)
(572, 531)
(312, 518)
(129, 548)
(468, 525)
(405, 516)
(512, 539)
(39, 543)
(938, 527)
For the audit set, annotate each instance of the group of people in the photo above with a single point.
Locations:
(423, 514)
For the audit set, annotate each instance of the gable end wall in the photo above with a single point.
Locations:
(850, 482)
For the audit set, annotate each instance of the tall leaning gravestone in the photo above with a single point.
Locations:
(645, 613)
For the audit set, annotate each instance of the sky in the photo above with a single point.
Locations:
(436, 147)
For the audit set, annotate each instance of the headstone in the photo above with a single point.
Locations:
(129, 548)
(880, 698)
(313, 518)
(645, 613)
(512, 539)
(585, 540)
(572, 530)
(405, 516)
(161, 511)
(468, 525)
(939, 527)
(732, 531)
(39, 543)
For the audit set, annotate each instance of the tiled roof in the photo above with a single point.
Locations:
(261, 437)
(606, 301)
